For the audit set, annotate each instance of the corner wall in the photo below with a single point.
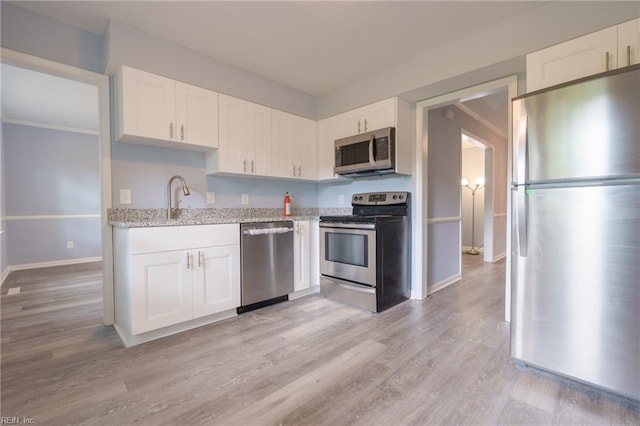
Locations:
(52, 195)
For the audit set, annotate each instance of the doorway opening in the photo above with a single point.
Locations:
(476, 206)
(441, 122)
(58, 144)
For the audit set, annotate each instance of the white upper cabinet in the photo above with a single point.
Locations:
(327, 134)
(294, 144)
(370, 117)
(583, 56)
(245, 139)
(160, 111)
(629, 43)
(196, 115)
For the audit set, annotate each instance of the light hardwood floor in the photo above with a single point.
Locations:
(309, 361)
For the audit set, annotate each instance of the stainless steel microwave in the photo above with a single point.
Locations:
(366, 154)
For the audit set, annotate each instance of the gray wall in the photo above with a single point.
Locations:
(31, 33)
(130, 46)
(472, 167)
(444, 190)
(51, 172)
(492, 53)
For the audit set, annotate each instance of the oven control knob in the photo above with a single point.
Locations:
(360, 198)
(401, 196)
(395, 197)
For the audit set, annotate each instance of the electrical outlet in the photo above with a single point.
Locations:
(341, 199)
(245, 199)
(69, 244)
(125, 196)
(211, 197)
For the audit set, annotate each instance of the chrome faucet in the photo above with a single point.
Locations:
(172, 212)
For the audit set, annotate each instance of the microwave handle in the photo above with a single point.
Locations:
(372, 160)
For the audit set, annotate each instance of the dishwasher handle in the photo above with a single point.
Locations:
(267, 231)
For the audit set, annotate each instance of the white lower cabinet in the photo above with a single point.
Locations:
(161, 292)
(216, 280)
(301, 256)
(305, 255)
(169, 277)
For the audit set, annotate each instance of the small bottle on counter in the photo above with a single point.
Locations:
(287, 205)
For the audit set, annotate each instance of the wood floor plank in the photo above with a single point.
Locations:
(310, 361)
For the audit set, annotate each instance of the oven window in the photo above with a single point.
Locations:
(356, 153)
(351, 249)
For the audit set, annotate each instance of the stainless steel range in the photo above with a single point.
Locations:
(365, 258)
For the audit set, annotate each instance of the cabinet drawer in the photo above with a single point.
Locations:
(167, 238)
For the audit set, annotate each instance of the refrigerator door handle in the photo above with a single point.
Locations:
(521, 217)
(521, 174)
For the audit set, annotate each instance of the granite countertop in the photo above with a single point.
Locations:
(144, 218)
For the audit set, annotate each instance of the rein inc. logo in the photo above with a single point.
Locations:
(6, 420)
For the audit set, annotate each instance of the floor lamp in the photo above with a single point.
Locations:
(479, 184)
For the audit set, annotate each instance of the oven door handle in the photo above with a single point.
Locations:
(348, 225)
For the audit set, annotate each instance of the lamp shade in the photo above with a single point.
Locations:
(464, 182)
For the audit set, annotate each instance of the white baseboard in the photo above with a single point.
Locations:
(499, 257)
(24, 266)
(306, 292)
(4, 275)
(442, 284)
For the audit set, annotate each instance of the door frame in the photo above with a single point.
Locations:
(420, 208)
(101, 81)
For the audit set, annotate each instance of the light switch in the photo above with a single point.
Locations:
(125, 196)
(341, 199)
(245, 199)
(211, 197)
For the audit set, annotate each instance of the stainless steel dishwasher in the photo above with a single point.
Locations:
(267, 263)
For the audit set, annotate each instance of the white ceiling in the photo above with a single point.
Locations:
(35, 98)
(315, 47)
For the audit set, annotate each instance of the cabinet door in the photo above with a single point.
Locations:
(148, 105)
(304, 148)
(629, 43)
(327, 134)
(379, 115)
(161, 290)
(350, 123)
(580, 57)
(301, 256)
(259, 139)
(216, 279)
(281, 142)
(196, 115)
(233, 135)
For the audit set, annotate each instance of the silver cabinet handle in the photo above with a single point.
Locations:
(365, 124)
(299, 171)
(244, 165)
(606, 61)
(199, 260)
(628, 55)
(294, 171)
(182, 132)
(252, 170)
(171, 131)
(188, 260)
(358, 126)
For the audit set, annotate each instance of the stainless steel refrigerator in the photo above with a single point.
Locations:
(575, 253)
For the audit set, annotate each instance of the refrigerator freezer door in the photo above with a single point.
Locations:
(576, 293)
(589, 129)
